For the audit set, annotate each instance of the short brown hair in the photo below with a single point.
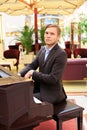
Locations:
(55, 26)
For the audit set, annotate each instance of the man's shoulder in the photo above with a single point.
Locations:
(57, 47)
(41, 50)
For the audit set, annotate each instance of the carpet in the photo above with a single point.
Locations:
(70, 124)
(51, 125)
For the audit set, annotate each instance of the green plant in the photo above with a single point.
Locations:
(66, 32)
(83, 28)
(25, 38)
(42, 31)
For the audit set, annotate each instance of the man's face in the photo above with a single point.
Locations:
(51, 36)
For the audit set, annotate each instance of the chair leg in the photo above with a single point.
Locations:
(17, 68)
(9, 67)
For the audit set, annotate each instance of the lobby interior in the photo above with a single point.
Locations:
(74, 80)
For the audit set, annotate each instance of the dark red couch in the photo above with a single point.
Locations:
(80, 51)
(76, 69)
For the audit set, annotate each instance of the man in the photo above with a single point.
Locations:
(51, 61)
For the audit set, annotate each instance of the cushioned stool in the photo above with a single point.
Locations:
(66, 111)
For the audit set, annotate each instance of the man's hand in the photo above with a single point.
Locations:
(29, 74)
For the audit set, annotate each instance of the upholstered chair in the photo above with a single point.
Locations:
(12, 53)
(68, 51)
(82, 52)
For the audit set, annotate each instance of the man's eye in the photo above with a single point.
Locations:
(46, 32)
(52, 33)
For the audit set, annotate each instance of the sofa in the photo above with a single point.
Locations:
(77, 52)
(82, 52)
(75, 69)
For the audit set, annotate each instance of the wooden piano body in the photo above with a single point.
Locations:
(17, 106)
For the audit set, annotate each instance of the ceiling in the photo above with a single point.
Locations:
(58, 7)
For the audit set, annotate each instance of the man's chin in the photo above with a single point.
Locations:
(50, 44)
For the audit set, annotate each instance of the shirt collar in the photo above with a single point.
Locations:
(48, 49)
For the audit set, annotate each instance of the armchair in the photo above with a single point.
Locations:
(80, 51)
(12, 53)
(68, 52)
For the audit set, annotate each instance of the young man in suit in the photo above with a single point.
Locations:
(51, 61)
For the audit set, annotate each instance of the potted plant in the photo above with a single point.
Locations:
(83, 28)
(25, 37)
(66, 33)
(41, 36)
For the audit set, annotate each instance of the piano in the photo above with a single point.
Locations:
(19, 109)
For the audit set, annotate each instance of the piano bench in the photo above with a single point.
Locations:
(66, 111)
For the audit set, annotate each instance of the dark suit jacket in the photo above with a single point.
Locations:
(50, 74)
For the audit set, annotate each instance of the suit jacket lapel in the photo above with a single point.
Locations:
(43, 56)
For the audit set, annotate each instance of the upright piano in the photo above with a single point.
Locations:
(18, 107)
